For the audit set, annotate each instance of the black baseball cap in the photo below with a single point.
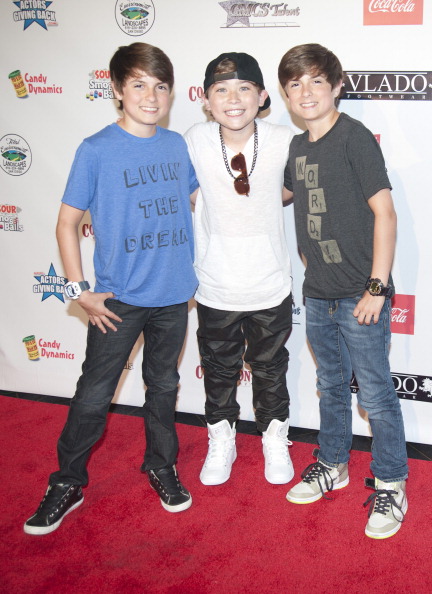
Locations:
(247, 68)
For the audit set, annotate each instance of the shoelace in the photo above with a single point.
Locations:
(51, 501)
(218, 452)
(314, 472)
(170, 482)
(381, 501)
(277, 447)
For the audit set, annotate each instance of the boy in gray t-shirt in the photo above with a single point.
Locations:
(346, 229)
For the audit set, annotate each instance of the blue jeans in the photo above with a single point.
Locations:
(164, 330)
(224, 339)
(342, 346)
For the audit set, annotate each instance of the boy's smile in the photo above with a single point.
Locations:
(146, 100)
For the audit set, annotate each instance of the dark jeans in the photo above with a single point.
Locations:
(224, 337)
(164, 330)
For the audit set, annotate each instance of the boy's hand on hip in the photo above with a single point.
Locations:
(368, 309)
(99, 315)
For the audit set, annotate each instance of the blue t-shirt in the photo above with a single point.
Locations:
(137, 191)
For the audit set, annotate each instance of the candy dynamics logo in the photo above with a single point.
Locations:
(135, 18)
(49, 349)
(397, 85)
(9, 218)
(50, 284)
(35, 11)
(16, 157)
(99, 85)
(243, 13)
(36, 84)
(392, 12)
(407, 386)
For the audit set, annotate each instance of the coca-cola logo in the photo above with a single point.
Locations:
(392, 12)
(403, 314)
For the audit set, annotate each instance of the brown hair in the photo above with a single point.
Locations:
(128, 59)
(310, 58)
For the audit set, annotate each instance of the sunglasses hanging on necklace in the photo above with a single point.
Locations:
(238, 163)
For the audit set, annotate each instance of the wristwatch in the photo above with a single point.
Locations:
(73, 290)
(376, 287)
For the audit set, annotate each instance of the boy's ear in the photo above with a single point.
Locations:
(262, 97)
(118, 95)
(337, 89)
(206, 103)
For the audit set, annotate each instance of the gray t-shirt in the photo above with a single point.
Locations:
(332, 180)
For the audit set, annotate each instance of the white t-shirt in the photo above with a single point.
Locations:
(241, 255)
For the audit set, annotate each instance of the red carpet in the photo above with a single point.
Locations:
(241, 537)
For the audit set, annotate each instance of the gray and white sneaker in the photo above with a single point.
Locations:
(278, 468)
(221, 454)
(318, 479)
(387, 508)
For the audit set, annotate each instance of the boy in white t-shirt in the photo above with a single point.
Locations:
(242, 263)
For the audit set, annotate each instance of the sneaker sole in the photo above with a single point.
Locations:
(313, 498)
(41, 530)
(177, 508)
(390, 532)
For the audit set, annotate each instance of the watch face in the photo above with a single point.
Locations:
(375, 287)
(69, 290)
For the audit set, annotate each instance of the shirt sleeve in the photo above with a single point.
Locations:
(82, 180)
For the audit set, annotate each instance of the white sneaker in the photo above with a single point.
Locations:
(221, 454)
(278, 466)
(387, 508)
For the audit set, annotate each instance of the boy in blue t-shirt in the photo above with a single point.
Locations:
(135, 178)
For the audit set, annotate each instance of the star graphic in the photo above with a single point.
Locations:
(45, 295)
(28, 22)
(231, 18)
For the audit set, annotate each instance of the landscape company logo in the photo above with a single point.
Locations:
(9, 220)
(99, 85)
(408, 386)
(16, 157)
(255, 15)
(50, 284)
(35, 84)
(388, 85)
(35, 11)
(135, 18)
(403, 314)
(392, 12)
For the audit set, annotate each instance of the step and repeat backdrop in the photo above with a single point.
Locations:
(55, 90)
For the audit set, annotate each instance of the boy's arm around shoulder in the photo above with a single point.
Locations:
(369, 307)
(67, 233)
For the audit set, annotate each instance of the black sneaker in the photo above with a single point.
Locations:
(165, 481)
(59, 500)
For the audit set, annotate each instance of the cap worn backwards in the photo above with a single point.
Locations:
(247, 68)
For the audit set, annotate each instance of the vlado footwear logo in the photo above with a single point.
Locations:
(392, 12)
(16, 157)
(243, 13)
(135, 18)
(99, 85)
(35, 11)
(394, 86)
(50, 284)
(9, 220)
(403, 314)
(408, 386)
(34, 84)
